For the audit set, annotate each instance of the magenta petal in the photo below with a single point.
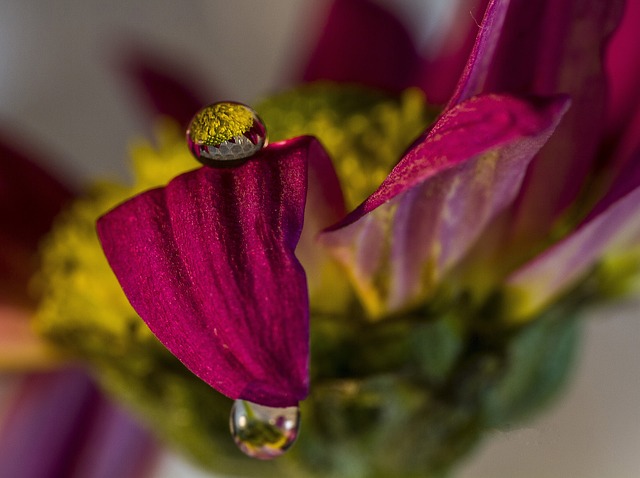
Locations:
(208, 262)
(166, 90)
(614, 225)
(439, 198)
(363, 43)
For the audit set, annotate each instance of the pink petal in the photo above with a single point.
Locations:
(614, 225)
(548, 47)
(363, 43)
(437, 201)
(208, 263)
(166, 89)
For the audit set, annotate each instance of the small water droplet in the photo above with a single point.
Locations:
(263, 432)
(225, 131)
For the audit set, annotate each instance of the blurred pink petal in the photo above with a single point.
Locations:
(208, 263)
(439, 198)
(364, 43)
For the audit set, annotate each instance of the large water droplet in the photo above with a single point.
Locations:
(263, 432)
(225, 131)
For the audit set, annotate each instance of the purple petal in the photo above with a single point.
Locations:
(364, 43)
(549, 47)
(437, 201)
(208, 263)
(614, 225)
(166, 90)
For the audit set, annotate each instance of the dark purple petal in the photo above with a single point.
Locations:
(548, 47)
(613, 226)
(439, 198)
(166, 90)
(364, 43)
(208, 262)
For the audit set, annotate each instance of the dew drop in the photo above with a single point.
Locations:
(263, 432)
(225, 131)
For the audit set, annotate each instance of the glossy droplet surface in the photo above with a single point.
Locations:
(263, 432)
(225, 131)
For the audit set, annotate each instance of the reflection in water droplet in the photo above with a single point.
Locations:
(263, 432)
(225, 131)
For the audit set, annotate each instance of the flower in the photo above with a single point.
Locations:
(448, 257)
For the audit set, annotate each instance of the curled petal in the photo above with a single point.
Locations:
(612, 226)
(439, 198)
(363, 43)
(208, 263)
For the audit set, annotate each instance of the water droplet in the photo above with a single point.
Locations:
(225, 131)
(263, 432)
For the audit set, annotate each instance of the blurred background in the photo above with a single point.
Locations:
(61, 90)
